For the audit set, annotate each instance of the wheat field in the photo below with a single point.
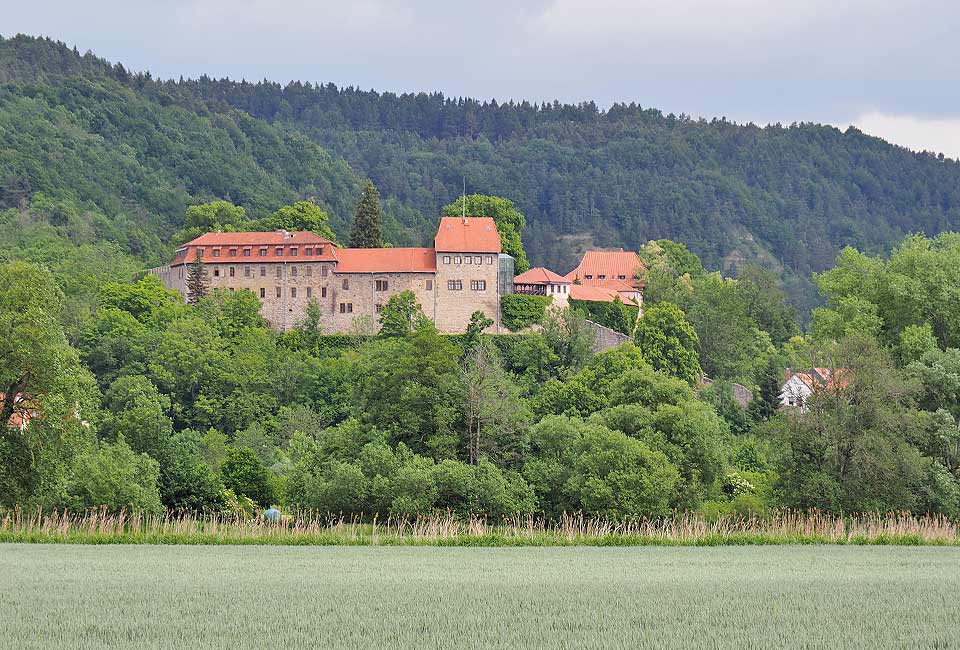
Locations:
(213, 597)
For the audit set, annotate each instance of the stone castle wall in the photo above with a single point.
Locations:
(474, 288)
(284, 290)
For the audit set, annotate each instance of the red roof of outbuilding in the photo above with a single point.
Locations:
(470, 235)
(386, 260)
(540, 275)
(593, 294)
(611, 264)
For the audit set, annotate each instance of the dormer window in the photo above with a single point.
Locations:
(216, 252)
(263, 252)
(601, 277)
(589, 277)
(622, 277)
(279, 251)
(309, 252)
(293, 252)
(233, 252)
(246, 252)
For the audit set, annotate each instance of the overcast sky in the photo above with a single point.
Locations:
(890, 67)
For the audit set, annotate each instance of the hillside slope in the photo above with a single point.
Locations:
(140, 149)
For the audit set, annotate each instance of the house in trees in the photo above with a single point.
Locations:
(464, 272)
(22, 411)
(798, 387)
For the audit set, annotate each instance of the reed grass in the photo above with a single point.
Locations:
(444, 529)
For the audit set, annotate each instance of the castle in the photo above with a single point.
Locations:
(464, 272)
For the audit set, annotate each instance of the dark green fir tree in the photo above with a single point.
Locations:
(367, 232)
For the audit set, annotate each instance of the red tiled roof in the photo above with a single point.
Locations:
(819, 378)
(593, 294)
(386, 260)
(324, 249)
(470, 235)
(621, 286)
(23, 412)
(540, 275)
(611, 264)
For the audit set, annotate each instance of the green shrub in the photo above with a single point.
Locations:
(616, 315)
(518, 311)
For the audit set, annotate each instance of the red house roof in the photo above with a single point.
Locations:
(294, 247)
(386, 260)
(593, 294)
(540, 275)
(598, 267)
(470, 235)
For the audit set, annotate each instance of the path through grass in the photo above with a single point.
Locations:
(84, 597)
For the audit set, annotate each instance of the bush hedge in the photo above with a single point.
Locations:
(518, 310)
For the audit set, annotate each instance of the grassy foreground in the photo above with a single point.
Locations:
(161, 597)
(786, 527)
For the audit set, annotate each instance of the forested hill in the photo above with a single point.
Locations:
(789, 196)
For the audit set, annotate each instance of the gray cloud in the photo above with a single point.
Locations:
(751, 60)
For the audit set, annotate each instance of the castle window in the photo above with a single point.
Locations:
(263, 252)
(233, 271)
(346, 307)
(457, 259)
(293, 271)
(263, 271)
(479, 261)
(489, 259)
(454, 285)
(468, 259)
(378, 307)
(293, 252)
(233, 252)
(323, 292)
(381, 285)
(323, 271)
(429, 285)
(478, 285)
(246, 252)
(309, 292)
(279, 271)
(263, 292)
(293, 292)
(346, 284)
(446, 259)
(279, 292)
(246, 271)
(216, 252)
(309, 271)
(279, 252)
(216, 273)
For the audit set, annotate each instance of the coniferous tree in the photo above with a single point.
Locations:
(197, 284)
(367, 232)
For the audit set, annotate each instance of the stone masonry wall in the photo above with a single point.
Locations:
(454, 306)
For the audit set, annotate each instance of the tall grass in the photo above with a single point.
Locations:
(444, 529)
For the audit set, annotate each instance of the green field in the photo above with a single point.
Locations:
(78, 597)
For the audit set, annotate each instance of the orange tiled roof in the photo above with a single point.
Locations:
(540, 275)
(819, 378)
(593, 294)
(321, 249)
(23, 412)
(472, 235)
(610, 264)
(386, 260)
